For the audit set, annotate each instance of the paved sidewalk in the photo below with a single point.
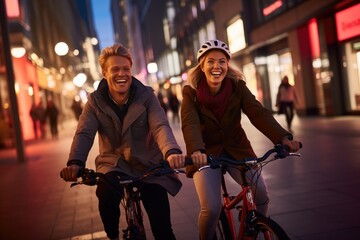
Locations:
(312, 197)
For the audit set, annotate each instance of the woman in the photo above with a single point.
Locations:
(285, 100)
(211, 113)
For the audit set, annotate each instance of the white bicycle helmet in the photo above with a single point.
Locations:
(213, 44)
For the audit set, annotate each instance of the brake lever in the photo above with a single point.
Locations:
(213, 162)
(74, 184)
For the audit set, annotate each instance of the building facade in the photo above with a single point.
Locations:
(314, 43)
(41, 73)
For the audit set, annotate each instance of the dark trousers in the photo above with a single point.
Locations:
(288, 109)
(155, 201)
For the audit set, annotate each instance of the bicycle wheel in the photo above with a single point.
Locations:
(266, 228)
(222, 229)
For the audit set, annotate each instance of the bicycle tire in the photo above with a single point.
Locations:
(222, 229)
(264, 224)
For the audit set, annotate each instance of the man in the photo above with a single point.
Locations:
(134, 133)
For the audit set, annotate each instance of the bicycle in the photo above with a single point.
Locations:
(131, 200)
(252, 224)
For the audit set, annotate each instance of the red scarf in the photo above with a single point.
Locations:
(218, 103)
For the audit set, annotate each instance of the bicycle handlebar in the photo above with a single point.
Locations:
(90, 177)
(281, 151)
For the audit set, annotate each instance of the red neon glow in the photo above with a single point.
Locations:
(348, 22)
(314, 38)
(25, 73)
(272, 7)
(12, 8)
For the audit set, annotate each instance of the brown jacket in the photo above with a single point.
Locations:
(202, 130)
(143, 139)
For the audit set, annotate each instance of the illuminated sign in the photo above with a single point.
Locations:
(12, 8)
(272, 7)
(348, 23)
(236, 36)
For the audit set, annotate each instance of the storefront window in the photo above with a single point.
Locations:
(352, 66)
(236, 35)
(249, 71)
(278, 67)
(274, 76)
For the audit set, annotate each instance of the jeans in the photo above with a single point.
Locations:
(208, 187)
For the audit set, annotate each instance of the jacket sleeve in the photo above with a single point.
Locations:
(191, 125)
(84, 136)
(260, 116)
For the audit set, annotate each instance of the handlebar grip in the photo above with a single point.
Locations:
(286, 147)
(79, 174)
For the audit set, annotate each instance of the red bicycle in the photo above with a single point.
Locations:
(252, 224)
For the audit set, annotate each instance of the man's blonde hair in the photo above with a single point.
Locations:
(115, 50)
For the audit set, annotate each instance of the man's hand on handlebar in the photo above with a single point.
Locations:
(292, 144)
(70, 173)
(176, 161)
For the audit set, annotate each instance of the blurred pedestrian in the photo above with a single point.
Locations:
(34, 119)
(52, 113)
(162, 102)
(76, 107)
(38, 115)
(174, 107)
(285, 100)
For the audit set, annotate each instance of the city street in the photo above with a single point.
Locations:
(313, 197)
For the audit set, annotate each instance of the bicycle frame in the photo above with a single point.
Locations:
(133, 212)
(248, 206)
(253, 224)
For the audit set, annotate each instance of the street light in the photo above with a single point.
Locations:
(61, 48)
(79, 79)
(18, 52)
(152, 67)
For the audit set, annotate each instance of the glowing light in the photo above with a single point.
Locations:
(96, 84)
(17, 88)
(272, 7)
(348, 22)
(152, 67)
(94, 41)
(12, 8)
(30, 91)
(18, 52)
(61, 48)
(79, 79)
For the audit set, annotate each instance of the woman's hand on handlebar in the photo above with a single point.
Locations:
(199, 159)
(292, 144)
(70, 173)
